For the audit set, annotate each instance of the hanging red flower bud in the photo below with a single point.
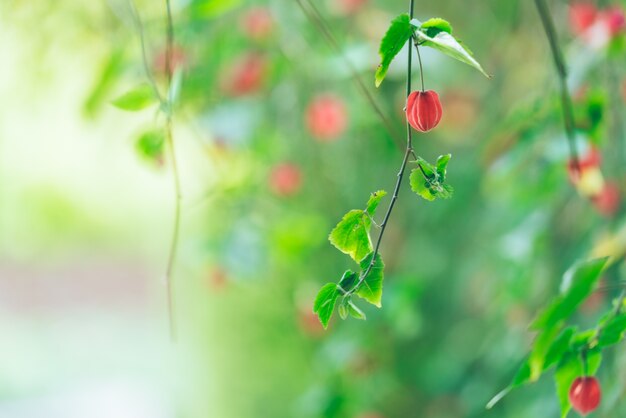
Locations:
(423, 110)
(584, 394)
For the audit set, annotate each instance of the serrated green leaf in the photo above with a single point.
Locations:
(372, 287)
(583, 278)
(374, 201)
(136, 99)
(449, 45)
(435, 25)
(428, 181)
(351, 235)
(399, 32)
(325, 303)
(355, 312)
(442, 164)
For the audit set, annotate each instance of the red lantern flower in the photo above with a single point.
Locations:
(423, 110)
(585, 394)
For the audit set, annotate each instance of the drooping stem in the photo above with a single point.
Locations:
(400, 176)
(566, 101)
(177, 189)
(313, 14)
(144, 53)
(419, 59)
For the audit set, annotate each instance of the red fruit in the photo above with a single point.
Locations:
(608, 201)
(326, 117)
(285, 179)
(257, 23)
(585, 394)
(582, 16)
(423, 110)
(245, 75)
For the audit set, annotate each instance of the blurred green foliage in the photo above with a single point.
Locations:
(463, 277)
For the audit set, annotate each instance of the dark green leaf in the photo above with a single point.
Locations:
(443, 41)
(372, 287)
(375, 199)
(348, 280)
(138, 98)
(579, 281)
(435, 25)
(325, 303)
(351, 235)
(397, 35)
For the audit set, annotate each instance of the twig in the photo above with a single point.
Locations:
(144, 53)
(396, 190)
(177, 188)
(313, 14)
(559, 62)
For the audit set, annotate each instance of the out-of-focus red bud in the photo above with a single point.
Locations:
(608, 201)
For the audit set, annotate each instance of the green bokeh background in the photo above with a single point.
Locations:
(85, 220)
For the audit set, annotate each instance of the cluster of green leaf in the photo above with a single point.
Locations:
(352, 236)
(429, 181)
(572, 352)
(434, 33)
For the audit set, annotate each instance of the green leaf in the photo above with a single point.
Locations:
(374, 201)
(569, 368)
(325, 303)
(399, 32)
(348, 280)
(442, 164)
(435, 25)
(355, 312)
(351, 235)
(444, 42)
(343, 308)
(428, 181)
(612, 332)
(372, 287)
(559, 347)
(150, 144)
(138, 98)
(537, 358)
(579, 282)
